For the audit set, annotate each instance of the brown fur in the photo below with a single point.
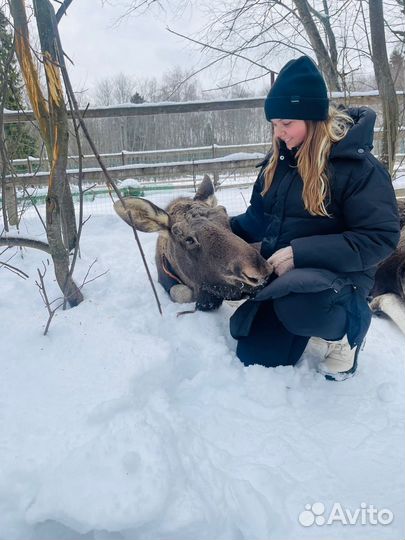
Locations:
(388, 294)
(196, 240)
(390, 276)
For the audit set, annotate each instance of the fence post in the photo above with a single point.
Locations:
(195, 186)
(216, 174)
(123, 157)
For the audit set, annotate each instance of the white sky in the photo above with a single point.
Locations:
(139, 46)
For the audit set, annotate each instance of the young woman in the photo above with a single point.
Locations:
(326, 214)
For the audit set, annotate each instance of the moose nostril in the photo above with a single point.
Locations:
(253, 280)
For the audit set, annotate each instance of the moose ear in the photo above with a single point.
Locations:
(147, 217)
(205, 192)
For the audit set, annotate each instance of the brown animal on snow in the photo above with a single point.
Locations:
(388, 294)
(198, 258)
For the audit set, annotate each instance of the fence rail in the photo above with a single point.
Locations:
(160, 171)
(200, 160)
(143, 109)
(34, 165)
(35, 169)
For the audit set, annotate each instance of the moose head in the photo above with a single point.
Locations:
(197, 256)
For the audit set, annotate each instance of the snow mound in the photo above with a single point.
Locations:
(129, 182)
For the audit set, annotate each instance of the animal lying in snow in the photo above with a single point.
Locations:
(388, 294)
(198, 258)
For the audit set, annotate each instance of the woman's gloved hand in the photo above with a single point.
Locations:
(282, 260)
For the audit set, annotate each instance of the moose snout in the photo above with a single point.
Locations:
(253, 280)
(252, 275)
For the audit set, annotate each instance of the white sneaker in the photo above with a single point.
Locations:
(340, 360)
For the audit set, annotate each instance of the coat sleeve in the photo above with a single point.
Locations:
(371, 232)
(251, 225)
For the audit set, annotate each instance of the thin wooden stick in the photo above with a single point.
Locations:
(14, 269)
(110, 181)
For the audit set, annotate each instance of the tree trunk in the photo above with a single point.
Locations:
(385, 83)
(11, 203)
(9, 198)
(325, 62)
(52, 120)
(58, 185)
(8, 192)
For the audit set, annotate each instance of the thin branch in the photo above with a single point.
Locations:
(194, 73)
(14, 269)
(226, 86)
(81, 192)
(12, 241)
(110, 181)
(229, 53)
(63, 9)
(42, 290)
(44, 295)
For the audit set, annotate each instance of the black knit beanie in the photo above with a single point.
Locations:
(299, 93)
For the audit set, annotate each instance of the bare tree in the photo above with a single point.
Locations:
(176, 85)
(344, 36)
(385, 83)
(397, 66)
(51, 116)
(124, 88)
(114, 90)
(104, 92)
(324, 49)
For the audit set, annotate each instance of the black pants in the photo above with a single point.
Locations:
(282, 327)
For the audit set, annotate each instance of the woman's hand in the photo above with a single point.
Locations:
(282, 260)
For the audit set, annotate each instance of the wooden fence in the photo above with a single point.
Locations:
(152, 166)
(32, 166)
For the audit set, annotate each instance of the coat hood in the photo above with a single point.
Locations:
(359, 138)
(357, 143)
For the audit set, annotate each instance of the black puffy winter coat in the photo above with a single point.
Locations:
(363, 228)
(364, 225)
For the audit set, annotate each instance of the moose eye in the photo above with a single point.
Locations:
(189, 240)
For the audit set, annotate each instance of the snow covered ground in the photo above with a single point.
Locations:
(122, 423)
(399, 182)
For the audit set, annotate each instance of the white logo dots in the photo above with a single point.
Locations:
(312, 514)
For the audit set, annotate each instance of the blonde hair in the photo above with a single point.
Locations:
(312, 159)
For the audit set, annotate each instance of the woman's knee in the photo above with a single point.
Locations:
(312, 314)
